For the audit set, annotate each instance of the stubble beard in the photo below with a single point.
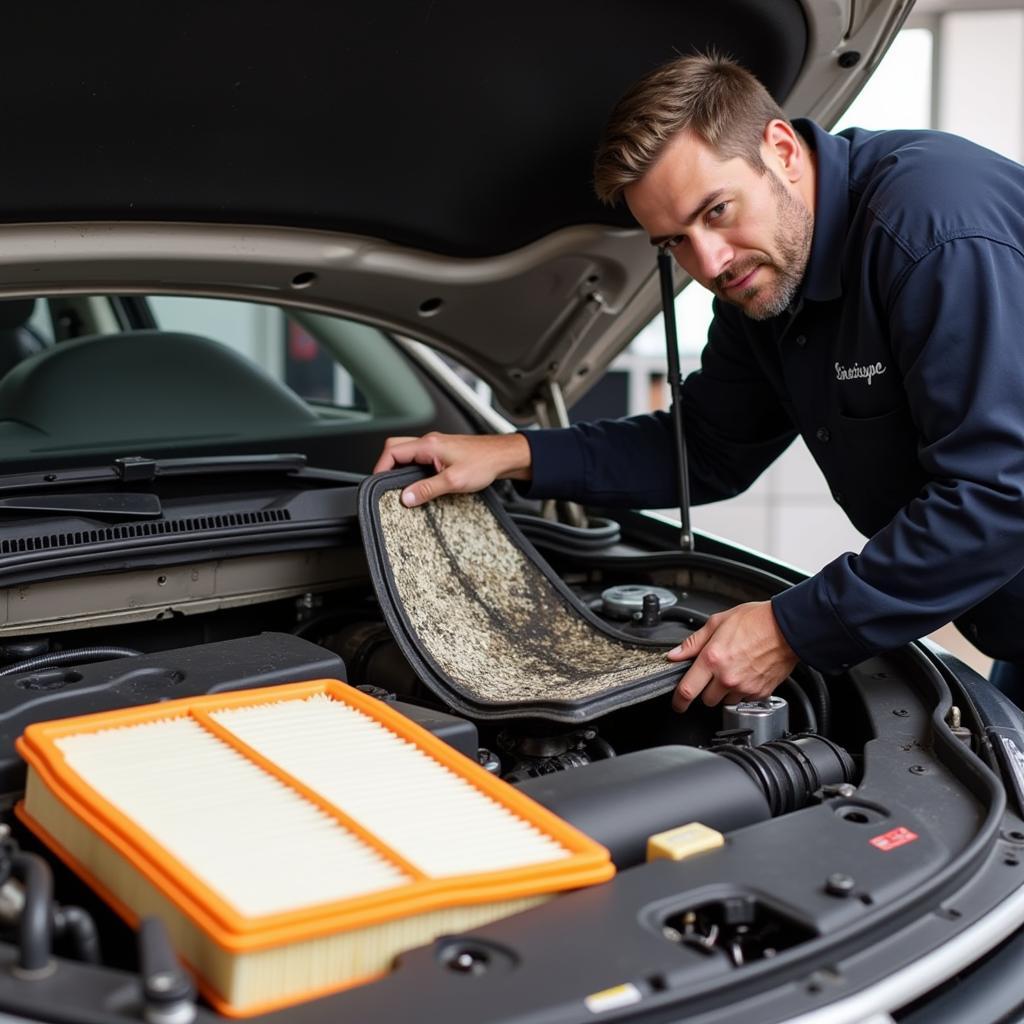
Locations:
(793, 235)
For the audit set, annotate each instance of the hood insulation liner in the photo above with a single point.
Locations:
(485, 622)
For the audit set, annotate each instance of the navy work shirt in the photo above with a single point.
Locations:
(901, 364)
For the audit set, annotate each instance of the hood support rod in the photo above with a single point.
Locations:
(675, 383)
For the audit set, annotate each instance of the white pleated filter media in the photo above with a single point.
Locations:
(232, 824)
(235, 825)
(427, 814)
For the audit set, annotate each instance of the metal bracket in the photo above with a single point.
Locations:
(550, 410)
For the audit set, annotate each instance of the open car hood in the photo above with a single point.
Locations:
(424, 166)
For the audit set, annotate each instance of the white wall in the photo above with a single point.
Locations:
(981, 78)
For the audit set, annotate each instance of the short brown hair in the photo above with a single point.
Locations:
(721, 102)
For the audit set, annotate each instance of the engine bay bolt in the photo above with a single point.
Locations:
(918, 769)
(163, 982)
(900, 712)
(956, 726)
(839, 884)
(468, 961)
(843, 789)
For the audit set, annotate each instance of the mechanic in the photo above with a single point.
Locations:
(869, 295)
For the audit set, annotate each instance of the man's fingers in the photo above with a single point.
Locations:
(692, 645)
(691, 685)
(433, 487)
(388, 459)
(718, 693)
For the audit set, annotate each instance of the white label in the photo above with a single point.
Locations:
(858, 371)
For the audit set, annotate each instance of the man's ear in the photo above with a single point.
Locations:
(782, 151)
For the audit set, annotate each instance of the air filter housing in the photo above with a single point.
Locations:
(294, 839)
(484, 620)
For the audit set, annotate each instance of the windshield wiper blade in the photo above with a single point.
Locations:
(95, 506)
(140, 470)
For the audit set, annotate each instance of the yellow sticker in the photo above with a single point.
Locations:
(613, 998)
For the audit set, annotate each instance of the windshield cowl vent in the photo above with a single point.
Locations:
(131, 531)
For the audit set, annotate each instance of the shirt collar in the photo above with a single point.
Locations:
(831, 214)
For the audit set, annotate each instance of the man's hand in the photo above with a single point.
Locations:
(463, 462)
(739, 654)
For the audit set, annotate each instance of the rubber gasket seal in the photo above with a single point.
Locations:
(456, 692)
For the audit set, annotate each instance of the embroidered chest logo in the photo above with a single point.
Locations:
(858, 371)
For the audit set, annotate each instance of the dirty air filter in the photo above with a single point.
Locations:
(281, 867)
(485, 622)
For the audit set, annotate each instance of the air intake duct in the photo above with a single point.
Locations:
(789, 771)
(623, 800)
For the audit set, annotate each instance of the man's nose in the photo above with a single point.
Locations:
(711, 255)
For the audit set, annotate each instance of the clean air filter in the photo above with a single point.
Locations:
(294, 839)
(485, 621)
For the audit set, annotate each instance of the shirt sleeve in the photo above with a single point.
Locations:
(956, 320)
(734, 422)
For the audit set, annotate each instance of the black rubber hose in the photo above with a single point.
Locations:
(599, 534)
(35, 926)
(600, 744)
(77, 924)
(72, 657)
(812, 682)
(690, 618)
(795, 694)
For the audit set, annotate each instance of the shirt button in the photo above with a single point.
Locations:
(838, 497)
(823, 434)
(800, 340)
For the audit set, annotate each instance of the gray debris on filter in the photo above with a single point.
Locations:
(489, 617)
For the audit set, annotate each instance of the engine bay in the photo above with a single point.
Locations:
(842, 800)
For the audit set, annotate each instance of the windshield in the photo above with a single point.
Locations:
(81, 376)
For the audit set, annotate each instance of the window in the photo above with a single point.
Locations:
(216, 375)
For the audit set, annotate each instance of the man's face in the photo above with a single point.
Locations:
(744, 235)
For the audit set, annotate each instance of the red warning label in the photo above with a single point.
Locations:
(893, 838)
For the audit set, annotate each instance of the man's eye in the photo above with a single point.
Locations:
(716, 211)
(672, 242)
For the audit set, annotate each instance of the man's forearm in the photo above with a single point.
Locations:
(513, 457)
